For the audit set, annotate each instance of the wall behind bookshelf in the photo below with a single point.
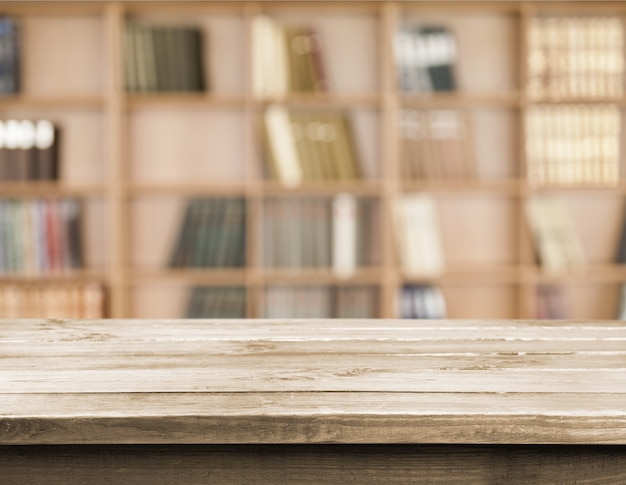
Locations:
(136, 158)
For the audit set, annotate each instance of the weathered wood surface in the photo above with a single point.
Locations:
(312, 381)
(312, 465)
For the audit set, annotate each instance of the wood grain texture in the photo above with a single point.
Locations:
(312, 382)
(313, 464)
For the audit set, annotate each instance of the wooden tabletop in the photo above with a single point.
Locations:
(312, 381)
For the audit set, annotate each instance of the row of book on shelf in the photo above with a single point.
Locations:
(320, 302)
(302, 145)
(565, 145)
(29, 150)
(40, 236)
(9, 56)
(282, 301)
(53, 300)
(436, 144)
(567, 56)
(287, 58)
(573, 144)
(337, 232)
(415, 301)
(212, 234)
(160, 58)
(572, 57)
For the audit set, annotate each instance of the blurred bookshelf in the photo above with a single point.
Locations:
(333, 159)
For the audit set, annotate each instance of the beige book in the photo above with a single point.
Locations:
(418, 236)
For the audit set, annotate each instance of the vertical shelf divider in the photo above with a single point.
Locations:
(118, 218)
(389, 12)
(526, 282)
(253, 181)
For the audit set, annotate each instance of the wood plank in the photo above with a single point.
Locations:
(353, 330)
(312, 381)
(228, 379)
(314, 429)
(134, 465)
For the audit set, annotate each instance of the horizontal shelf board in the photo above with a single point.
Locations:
(468, 274)
(330, 100)
(43, 7)
(183, 100)
(571, 8)
(269, 6)
(618, 188)
(68, 276)
(202, 276)
(49, 189)
(21, 101)
(213, 189)
(590, 273)
(505, 187)
(184, 7)
(313, 276)
(330, 187)
(459, 99)
(621, 100)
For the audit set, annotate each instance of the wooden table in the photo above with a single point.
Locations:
(312, 401)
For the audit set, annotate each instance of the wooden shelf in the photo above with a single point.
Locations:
(317, 276)
(461, 100)
(311, 188)
(183, 101)
(326, 100)
(195, 276)
(51, 102)
(50, 189)
(505, 188)
(470, 274)
(69, 276)
(187, 189)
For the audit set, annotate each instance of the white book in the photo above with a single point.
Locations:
(344, 235)
(418, 235)
(282, 145)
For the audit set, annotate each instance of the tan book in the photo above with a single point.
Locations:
(558, 245)
(344, 147)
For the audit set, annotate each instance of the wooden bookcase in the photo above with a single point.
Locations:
(136, 158)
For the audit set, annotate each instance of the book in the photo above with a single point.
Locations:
(425, 58)
(29, 150)
(344, 234)
(417, 235)
(216, 302)
(557, 244)
(575, 57)
(304, 145)
(40, 236)
(352, 301)
(164, 58)
(550, 303)
(283, 153)
(211, 234)
(287, 58)
(436, 144)
(421, 301)
(336, 233)
(573, 144)
(9, 56)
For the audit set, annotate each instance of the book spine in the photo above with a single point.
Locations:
(344, 235)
